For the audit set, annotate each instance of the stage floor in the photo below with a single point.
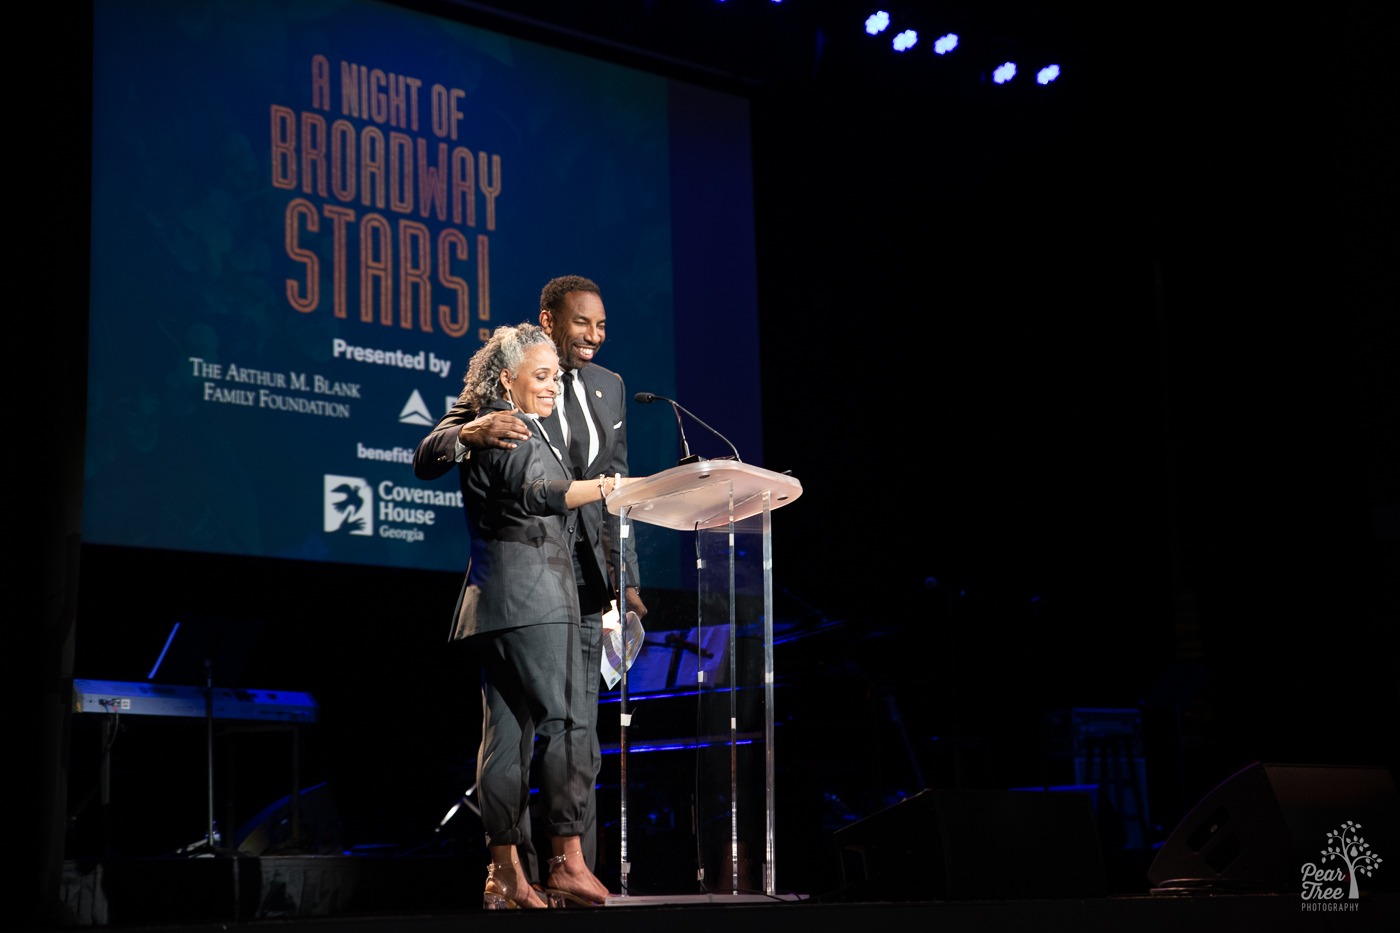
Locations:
(327, 894)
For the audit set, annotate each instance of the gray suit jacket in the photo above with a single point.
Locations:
(607, 399)
(521, 570)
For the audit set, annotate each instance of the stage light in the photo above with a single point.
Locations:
(1004, 72)
(877, 23)
(905, 41)
(945, 44)
(1047, 74)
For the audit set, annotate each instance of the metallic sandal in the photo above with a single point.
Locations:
(497, 895)
(558, 897)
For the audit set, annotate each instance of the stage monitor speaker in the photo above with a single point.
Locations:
(307, 825)
(1256, 830)
(961, 845)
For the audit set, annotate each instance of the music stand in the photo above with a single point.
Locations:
(202, 650)
(715, 499)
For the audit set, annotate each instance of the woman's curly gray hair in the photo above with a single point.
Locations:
(503, 352)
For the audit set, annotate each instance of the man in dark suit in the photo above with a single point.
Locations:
(592, 418)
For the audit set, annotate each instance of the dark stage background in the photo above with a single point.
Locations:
(1092, 395)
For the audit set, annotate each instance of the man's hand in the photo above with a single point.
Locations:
(494, 429)
(634, 602)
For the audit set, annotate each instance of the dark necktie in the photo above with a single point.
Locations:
(578, 427)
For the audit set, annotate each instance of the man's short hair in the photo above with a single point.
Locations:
(552, 295)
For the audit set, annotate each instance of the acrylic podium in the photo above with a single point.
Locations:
(728, 506)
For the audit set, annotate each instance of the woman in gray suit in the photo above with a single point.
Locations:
(519, 611)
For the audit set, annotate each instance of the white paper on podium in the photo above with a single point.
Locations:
(613, 637)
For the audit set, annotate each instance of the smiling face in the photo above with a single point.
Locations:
(578, 328)
(535, 383)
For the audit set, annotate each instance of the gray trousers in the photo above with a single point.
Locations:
(592, 647)
(534, 682)
(592, 597)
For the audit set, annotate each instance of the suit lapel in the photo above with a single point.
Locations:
(555, 437)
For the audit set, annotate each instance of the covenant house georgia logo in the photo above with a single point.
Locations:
(349, 505)
(1335, 888)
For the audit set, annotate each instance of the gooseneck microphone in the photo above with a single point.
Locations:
(686, 457)
(647, 398)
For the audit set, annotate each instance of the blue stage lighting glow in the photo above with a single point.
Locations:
(877, 23)
(1004, 73)
(1047, 74)
(905, 41)
(945, 44)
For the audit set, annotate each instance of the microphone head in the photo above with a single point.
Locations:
(644, 397)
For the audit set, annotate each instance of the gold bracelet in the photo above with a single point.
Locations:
(602, 492)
